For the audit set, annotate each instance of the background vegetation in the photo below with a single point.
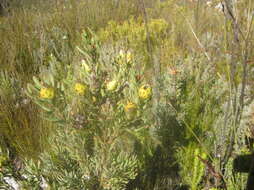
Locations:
(116, 94)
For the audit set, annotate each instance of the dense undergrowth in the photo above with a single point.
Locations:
(137, 94)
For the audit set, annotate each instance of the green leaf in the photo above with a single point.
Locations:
(83, 52)
(30, 88)
(29, 94)
(37, 83)
(51, 79)
(53, 119)
(43, 107)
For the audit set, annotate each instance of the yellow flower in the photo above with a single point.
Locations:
(145, 92)
(125, 57)
(130, 109)
(80, 88)
(111, 86)
(129, 57)
(47, 93)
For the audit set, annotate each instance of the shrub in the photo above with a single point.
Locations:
(89, 100)
(133, 33)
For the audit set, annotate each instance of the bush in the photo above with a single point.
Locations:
(101, 106)
(133, 34)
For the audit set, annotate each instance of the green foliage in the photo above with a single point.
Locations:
(133, 33)
(192, 169)
(93, 114)
(193, 94)
(235, 180)
(86, 101)
(36, 29)
(22, 130)
(119, 169)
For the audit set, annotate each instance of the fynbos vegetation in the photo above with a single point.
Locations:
(137, 94)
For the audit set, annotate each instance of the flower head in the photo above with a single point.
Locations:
(47, 93)
(112, 85)
(125, 57)
(129, 57)
(145, 92)
(130, 109)
(80, 88)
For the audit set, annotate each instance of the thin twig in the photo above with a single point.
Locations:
(196, 37)
(238, 102)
